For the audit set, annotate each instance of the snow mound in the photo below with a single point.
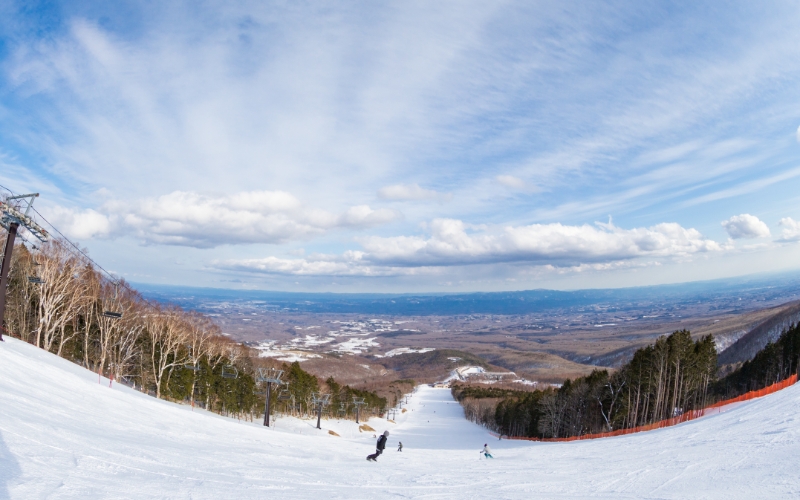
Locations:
(63, 435)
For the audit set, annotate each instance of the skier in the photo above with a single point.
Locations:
(486, 451)
(400, 446)
(379, 447)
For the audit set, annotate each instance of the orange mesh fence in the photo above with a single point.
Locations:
(689, 415)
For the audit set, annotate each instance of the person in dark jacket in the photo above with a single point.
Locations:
(379, 447)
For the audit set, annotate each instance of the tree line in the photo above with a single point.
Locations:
(662, 380)
(58, 301)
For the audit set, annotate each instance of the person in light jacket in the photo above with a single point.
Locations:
(487, 452)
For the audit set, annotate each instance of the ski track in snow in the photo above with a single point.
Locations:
(64, 435)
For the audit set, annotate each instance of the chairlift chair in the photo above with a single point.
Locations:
(113, 314)
(35, 280)
(229, 371)
(190, 366)
(284, 395)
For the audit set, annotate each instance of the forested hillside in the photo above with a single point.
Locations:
(60, 302)
(666, 379)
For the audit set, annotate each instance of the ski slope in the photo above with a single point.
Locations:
(64, 435)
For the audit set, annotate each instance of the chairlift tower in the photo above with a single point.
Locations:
(269, 376)
(358, 402)
(11, 218)
(319, 400)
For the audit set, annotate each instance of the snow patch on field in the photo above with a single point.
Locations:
(312, 340)
(405, 350)
(356, 346)
(289, 356)
(270, 349)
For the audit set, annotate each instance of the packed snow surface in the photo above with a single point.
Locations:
(64, 435)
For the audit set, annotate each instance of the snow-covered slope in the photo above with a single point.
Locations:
(63, 435)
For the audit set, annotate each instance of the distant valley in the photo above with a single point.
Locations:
(541, 335)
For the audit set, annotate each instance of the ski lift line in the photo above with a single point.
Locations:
(76, 247)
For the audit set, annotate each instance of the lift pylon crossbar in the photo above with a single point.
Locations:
(11, 215)
(268, 376)
(320, 401)
(358, 402)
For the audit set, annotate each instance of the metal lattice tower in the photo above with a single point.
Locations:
(11, 218)
(358, 402)
(269, 376)
(320, 401)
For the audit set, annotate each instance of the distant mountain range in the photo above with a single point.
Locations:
(730, 294)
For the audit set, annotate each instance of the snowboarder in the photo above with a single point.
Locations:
(486, 451)
(379, 447)
(400, 446)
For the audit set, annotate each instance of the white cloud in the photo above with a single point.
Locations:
(451, 244)
(791, 229)
(80, 224)
(798, 134)
(204, 221)
(404, 192)
(745, 226)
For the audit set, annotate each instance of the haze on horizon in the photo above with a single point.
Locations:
(409, 146)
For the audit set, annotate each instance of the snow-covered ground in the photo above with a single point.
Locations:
(63, 435)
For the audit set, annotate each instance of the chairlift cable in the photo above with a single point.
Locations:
(77, 250)
(76, 247)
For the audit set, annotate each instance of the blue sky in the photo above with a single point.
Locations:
(409, 146)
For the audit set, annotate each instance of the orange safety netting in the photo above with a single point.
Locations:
(689, 415)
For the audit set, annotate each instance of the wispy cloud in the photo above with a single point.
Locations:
(229, 124)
